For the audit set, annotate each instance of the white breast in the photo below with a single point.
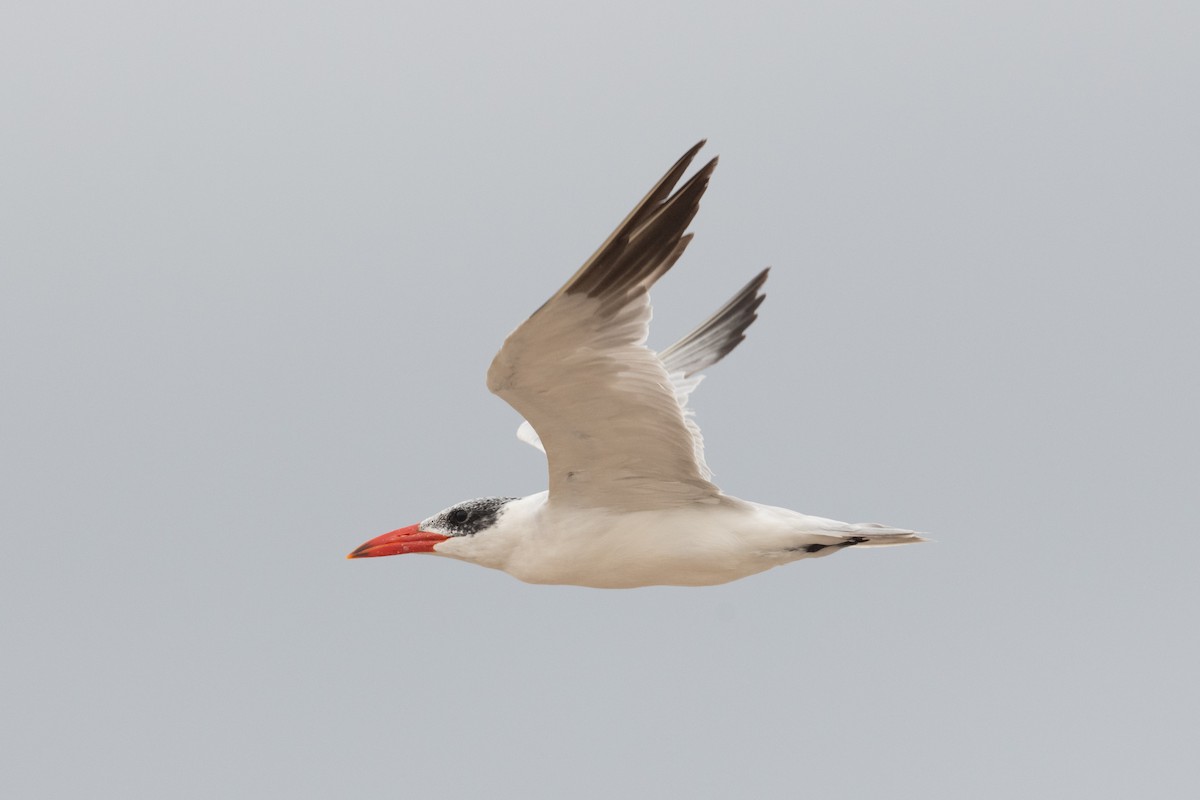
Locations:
(698, 545)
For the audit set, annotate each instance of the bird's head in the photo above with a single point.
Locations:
(459, 524)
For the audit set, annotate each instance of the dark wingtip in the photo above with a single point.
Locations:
(720, 333)
(680, 167)
(649, 240)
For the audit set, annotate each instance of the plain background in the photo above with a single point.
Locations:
(258, 256)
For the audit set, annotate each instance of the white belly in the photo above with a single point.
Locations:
(693, 546)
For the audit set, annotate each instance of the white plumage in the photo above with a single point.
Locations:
(630, 501)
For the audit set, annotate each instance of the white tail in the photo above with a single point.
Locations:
(872, 534)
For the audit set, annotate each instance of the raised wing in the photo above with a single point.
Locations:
(604, 405)
(714, 339)
(707, 345)
(718, 335)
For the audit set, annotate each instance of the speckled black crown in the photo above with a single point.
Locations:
(470, 517)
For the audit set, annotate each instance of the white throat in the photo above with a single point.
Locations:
(496, 545)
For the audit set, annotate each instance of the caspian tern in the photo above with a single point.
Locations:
(630, 501)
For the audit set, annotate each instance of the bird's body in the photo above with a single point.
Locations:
(630, 501)
(699, 544)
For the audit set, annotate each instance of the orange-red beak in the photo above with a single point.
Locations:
(404, 540)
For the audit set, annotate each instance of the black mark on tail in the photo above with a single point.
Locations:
(816, 548)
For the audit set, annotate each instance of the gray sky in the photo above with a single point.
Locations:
(257, 256)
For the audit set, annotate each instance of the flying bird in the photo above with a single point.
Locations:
(631, 501)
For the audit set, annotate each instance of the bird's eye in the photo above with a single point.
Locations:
(459, 515)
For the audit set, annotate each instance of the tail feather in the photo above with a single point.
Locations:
(872, 534)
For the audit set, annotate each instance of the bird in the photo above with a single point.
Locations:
(631, 501)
